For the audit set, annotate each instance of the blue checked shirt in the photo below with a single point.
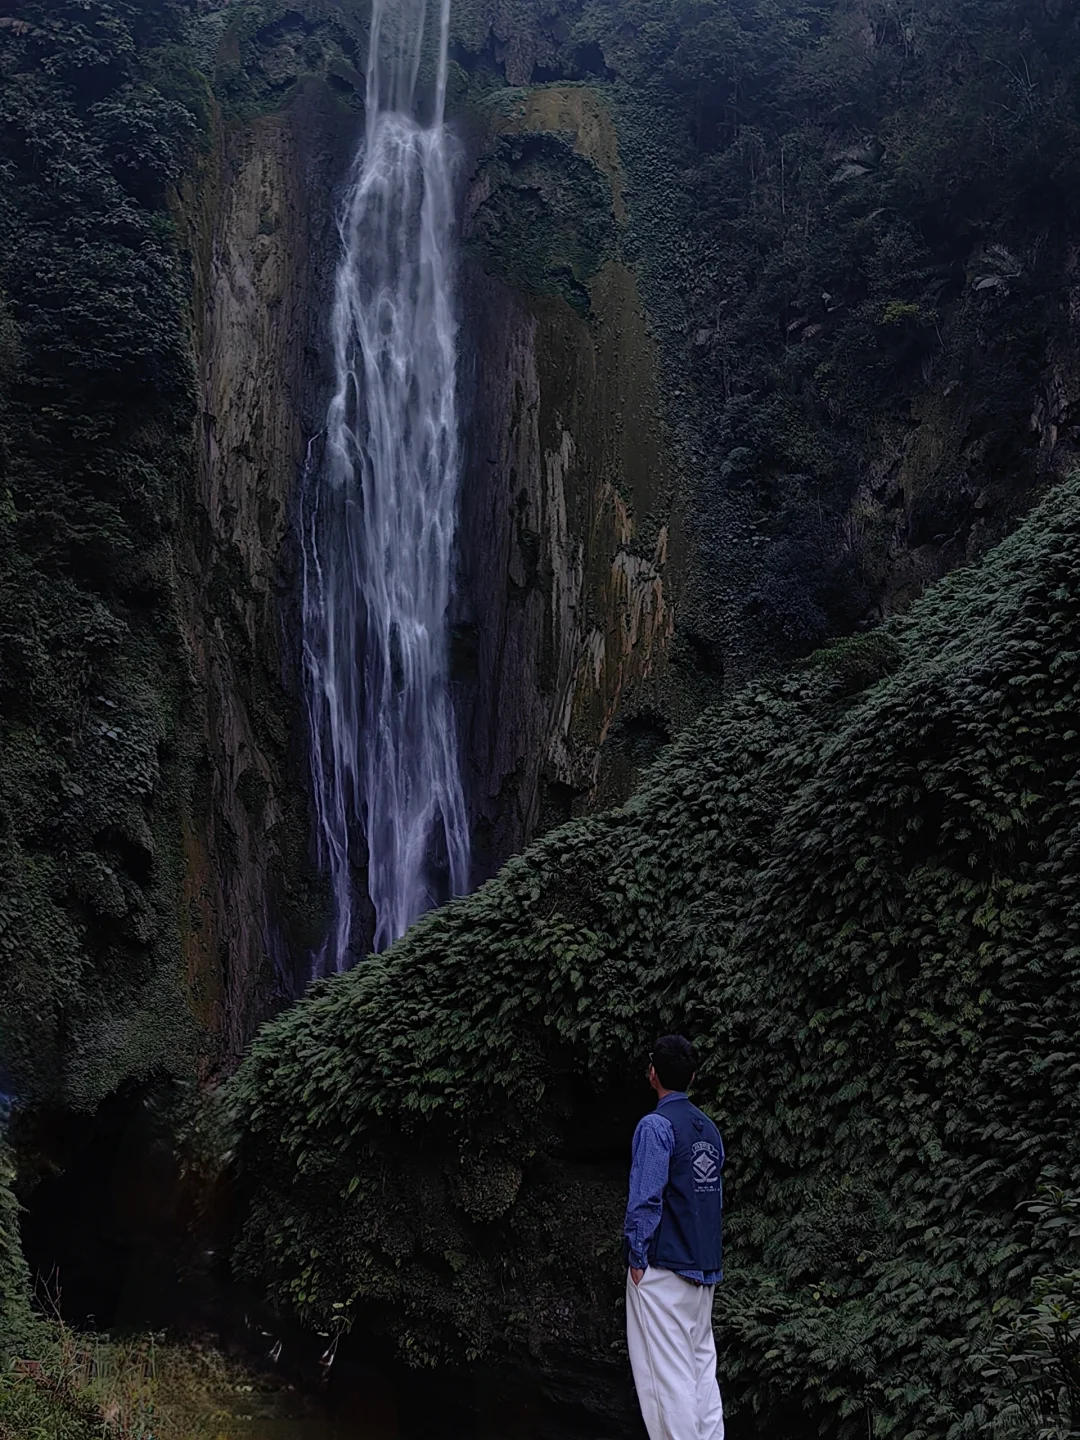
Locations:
(654, 1145)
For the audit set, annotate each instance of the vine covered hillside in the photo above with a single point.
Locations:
(99, 109)
(857, 886)
(870, 258)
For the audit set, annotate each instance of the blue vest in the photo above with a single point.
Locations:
(690, 1233)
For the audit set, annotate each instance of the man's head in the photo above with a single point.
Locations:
(672, 1063)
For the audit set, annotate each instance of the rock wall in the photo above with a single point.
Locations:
(571, 532)
(264, 245)
(861, 321)
(570, 549)
(572, 527)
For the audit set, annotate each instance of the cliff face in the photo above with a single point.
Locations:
(264, 266)
(572, 533)
(571, 536)
(841, 348)
(728, 396)
(754, 351)
(855, 271)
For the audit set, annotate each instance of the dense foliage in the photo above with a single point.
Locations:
(853, 223)
(876, 238)
(99, 106)
(29, 1409)
(14, 1278)
(857, 886)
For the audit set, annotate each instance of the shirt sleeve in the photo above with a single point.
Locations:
(654, 1144)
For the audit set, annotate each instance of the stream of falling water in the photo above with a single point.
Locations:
(379, 515)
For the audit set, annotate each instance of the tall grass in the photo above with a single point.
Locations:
(75, 1386)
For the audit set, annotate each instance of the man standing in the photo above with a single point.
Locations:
(673, 1239)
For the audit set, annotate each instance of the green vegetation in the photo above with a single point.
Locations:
(15, 1320)
(99, 108)
(547, 226)
(853, 228)
(858, 167)
(79, 1387)
(29, 1409)
(858, 886)
(853, 225)
(1032, 1364)
(265, 47)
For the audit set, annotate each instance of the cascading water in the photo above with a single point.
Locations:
(379, 514)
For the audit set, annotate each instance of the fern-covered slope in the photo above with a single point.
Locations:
(857, 887)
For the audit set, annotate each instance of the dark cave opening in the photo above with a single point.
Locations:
(104, 1222)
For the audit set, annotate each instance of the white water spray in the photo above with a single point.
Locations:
(379, 515)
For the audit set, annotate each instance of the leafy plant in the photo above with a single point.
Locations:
(857, 886)
(1031, 1366)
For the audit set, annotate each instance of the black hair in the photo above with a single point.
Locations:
(674, 1061)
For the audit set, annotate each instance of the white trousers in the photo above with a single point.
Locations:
(673, 1356)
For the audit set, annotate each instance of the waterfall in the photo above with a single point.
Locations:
(379, 511)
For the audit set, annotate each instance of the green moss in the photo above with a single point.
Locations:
(858, 887)
(98, 120)
(547, 224)
(859, 661)
(268, 47)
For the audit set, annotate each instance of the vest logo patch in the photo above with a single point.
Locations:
(706, 1165)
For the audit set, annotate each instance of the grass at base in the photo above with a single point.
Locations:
(84, 1387)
